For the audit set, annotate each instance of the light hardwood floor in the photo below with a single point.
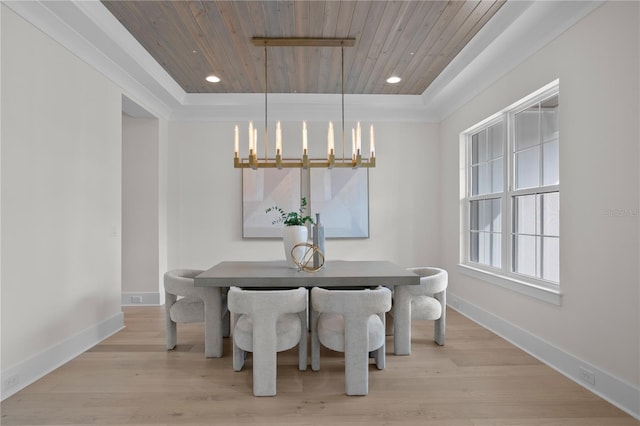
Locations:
(476, 379)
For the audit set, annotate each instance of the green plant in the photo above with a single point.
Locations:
(291, 218)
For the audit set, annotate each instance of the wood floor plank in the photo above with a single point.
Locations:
(476, 379)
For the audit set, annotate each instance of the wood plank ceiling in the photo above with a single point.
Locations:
(414, 40)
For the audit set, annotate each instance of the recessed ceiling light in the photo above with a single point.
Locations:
(213, 79)
(393, 79)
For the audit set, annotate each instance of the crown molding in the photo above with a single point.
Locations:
(297, 106)
(91, 33)
(517, 30)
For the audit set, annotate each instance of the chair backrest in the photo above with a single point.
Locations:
(263, 302)
(364, 301)
(432, 281)
(180, 282)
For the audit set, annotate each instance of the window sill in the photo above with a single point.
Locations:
(522, 287)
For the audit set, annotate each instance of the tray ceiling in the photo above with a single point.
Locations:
(414, 40)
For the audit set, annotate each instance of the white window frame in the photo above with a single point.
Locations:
(503, 276)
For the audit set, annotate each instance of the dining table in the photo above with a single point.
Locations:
(333, 274)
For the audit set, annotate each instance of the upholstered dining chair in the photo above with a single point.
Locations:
(350, 321)
(185, 303)
(427, 301)
(266, 322)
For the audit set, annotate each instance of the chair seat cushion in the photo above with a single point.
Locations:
(187, 309)
(331, 331)
(288, 329)
(425, 308)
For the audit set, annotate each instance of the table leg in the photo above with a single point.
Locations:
(401, 321)
(213, 324)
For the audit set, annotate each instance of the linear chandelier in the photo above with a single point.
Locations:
(354, 161)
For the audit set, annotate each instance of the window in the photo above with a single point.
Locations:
(511, 203)
(536, 198)
(487, 146)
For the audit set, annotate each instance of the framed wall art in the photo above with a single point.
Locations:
(264, 188)
(341, 196)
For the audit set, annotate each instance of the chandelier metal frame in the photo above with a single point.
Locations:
(253, 162)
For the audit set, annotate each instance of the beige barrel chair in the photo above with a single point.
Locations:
(427, 301)
(185, 303)
(350, 321)
(266, 322)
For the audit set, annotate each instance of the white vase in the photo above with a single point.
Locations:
(292, 236)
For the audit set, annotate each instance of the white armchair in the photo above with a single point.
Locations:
(426, 301)
(185, 303)
(269, 321)
(350, 321)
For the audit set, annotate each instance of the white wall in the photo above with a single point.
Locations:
(60, 204)
(205, 197)
(140, 210)
(163, 188)
(1, 9)
(598, 322)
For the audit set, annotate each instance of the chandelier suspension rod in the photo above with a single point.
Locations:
(266, 83)
(342, 90)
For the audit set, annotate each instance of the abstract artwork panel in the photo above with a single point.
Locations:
(341, 196)
(264, 188)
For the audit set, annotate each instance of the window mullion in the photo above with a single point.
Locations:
(541, 218)
(507, 220)
(540, 148)
(539, 198)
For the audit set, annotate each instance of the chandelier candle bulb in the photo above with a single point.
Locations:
(250, 135)
(330, 139)
(372, 147)
(278, 138)
(236, 141)
(353, 143)
(304, 137)
(358, 138)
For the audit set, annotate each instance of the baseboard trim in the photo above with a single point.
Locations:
(141, 299)
(39, 365)
(612, 389)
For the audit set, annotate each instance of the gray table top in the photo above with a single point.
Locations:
(335, 273)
